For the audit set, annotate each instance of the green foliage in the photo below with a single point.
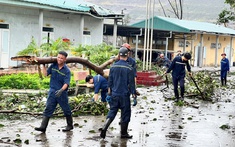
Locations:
(20, 81)
(96, 54)
(206, 83)
(32, 49)
(230, 2)
(53, 48)
(87, 106)
(26, 81)
(225, 16)
(224, 127)
(35, 103)
(45, 49)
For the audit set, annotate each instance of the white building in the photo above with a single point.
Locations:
(20, 20)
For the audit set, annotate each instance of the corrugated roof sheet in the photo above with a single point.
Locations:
(177, 25)
(74, 5)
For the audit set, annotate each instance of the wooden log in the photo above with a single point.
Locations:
(47, 60)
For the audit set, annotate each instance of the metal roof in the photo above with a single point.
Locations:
(66, 5)
(185, 26)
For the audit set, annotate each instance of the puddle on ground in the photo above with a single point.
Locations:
(154, 122)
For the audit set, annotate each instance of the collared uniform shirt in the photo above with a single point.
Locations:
(178, 67)
(121, 79)
(224, 64)
(100, 83)
(132, 63)
(58, 77)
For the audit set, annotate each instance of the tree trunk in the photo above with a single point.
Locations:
(47, 60)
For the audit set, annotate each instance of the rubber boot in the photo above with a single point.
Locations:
(44, 124)
(176, 99)
(105, 127)
(225, 81)
(222, 82)
(69, 126)
(124, 133)
(182, 98)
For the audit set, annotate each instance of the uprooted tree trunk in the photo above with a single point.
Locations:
(47, 60)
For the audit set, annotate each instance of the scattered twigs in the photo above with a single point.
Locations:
(197, 87)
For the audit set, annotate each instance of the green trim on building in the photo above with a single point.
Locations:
(185, 26)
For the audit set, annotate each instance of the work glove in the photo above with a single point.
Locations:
(108, 98)
(134, 101)
(59, 92)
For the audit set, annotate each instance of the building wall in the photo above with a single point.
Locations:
(209, 54)
(24, 24)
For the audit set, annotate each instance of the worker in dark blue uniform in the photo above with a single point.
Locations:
(224, 64)
(131, 61)
(99, 83)
(121, 85)
(178, 73)
(59, 83)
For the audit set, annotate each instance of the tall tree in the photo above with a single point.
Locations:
(176, 7)
(227, 15)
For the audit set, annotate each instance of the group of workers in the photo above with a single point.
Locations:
(117, 90)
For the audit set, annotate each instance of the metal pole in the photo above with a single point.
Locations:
(145, 34)
(147, 58)
(151, 41)
(166, 46)
(115, 33)
(136, 46)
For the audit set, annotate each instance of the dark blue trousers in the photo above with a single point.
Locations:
(123, 103)
(52, 102)
(104, 95)
(177, 80)
(223, 77)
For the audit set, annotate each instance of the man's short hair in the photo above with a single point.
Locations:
(88, 78)
(63, 53)
(123, 51)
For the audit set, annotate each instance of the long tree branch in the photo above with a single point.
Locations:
(47, 60)
(162, 7)
(173, 8)
(176, 7)
(181, 9)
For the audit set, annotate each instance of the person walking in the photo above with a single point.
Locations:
(178, 73)
(131, 61)
(59, 83)
(99, 83)
(224, 65)
(121, 85)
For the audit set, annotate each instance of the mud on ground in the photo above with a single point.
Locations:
(155, 122)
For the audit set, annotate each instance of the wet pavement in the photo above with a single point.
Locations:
(155, 122)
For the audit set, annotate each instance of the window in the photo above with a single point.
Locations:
(213, 45)
(4, 26)
(47, 29)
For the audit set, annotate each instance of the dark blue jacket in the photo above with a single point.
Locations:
(178, 67)
(100, 83)
(121, 79)
(166, 62)
(224, 64)
(132, 63)
(58, 77)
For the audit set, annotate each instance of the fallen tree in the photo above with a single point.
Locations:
(47, 60)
